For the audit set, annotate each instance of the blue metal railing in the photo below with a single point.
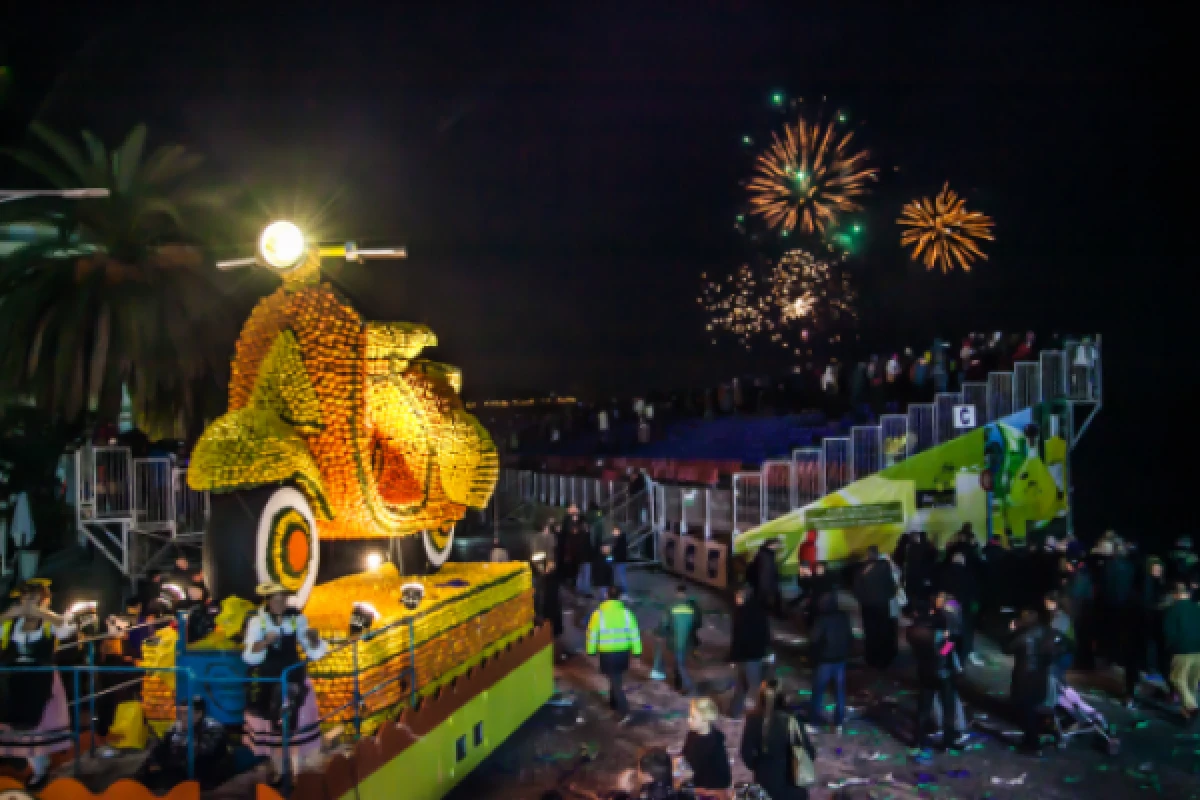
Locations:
(91, 671)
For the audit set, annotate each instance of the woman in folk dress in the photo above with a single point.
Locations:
(33, 722)
(274, 636)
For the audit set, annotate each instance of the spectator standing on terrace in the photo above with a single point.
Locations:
(1181, 631)
(933, 650)
(940, 370)
(619, 548)
(1025, 350)
(1035, 647)
(921, 369)
(704, 747)
(830, 640)
(748, 640)
(875, 588)
(958, 581)
(577, 550)
(767, 741)
(681, 626)
(613, 635)
(1182, 560)
(920, 568)
(1155, 595)
(764, 577)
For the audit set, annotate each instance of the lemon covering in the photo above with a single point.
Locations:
(468, 612)
(376, 438)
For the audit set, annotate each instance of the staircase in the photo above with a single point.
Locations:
(136, 512)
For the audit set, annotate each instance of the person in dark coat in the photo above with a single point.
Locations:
(1155, 596)
(767, 745)
(619, 546)
(602, 568)
(992, 573)
(933, 650)
(1081, 605)
(704, 747)
(577, 547)
(1034, 646)
(547, 601)
(765, 572)
(958, 581)
(874, 588)
(830, 640)
(822, 583)
(748, 641)
(920, 569)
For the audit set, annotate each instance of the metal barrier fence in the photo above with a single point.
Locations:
(152, 501)
(893, 430)
(866, 451)
(188, 684)
(835, 464)
(806, 470)
(1054, 374)
(922, 433)
(999, 396)
(975, 393)
(943, 415)
(191, 507)
(776, 488)
(112, 489)
(747, 501)
(1027, 385)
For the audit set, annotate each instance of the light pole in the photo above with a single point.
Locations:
(7, 195)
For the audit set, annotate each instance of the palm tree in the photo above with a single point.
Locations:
(115, 291)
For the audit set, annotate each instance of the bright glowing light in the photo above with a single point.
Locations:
(537, 557)
(366, 609)
(80, 608)
(282, 244)
(374, 561)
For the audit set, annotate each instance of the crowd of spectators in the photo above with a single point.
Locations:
(874, 383)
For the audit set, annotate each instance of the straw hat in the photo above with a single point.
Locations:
(270, 589)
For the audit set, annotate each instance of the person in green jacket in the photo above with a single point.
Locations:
(682, 620)
(613, 634)
(1181, 631)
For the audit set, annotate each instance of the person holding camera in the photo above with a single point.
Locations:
(274, 636)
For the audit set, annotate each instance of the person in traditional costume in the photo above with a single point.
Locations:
(34, 722)
(275, 635)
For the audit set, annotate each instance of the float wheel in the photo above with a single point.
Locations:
(254, 536)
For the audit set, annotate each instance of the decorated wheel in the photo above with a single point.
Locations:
(438, 546)
(261, 535)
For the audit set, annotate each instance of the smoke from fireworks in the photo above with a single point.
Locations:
(942, 232)
(808, 177)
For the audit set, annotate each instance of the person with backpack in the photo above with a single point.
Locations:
(771, 741)
(748, 641)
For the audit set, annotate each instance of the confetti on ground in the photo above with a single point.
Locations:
(1017, 781)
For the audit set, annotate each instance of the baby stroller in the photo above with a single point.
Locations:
(1074, 717)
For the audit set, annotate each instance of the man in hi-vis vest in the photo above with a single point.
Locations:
(613, 634)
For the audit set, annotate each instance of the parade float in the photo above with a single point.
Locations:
(340, 470)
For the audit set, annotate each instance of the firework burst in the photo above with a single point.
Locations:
(809, 297)
(807, 177)
(791, 304)
(943, 233)
(736, 306)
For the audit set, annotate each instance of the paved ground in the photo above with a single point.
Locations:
(581, 750)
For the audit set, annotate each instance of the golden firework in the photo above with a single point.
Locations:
(809, 296)
(736, 306)
(942, 232)
(807, 177)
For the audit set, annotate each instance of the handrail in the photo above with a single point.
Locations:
(91, 670)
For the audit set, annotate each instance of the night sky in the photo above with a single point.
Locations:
(562, 173)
